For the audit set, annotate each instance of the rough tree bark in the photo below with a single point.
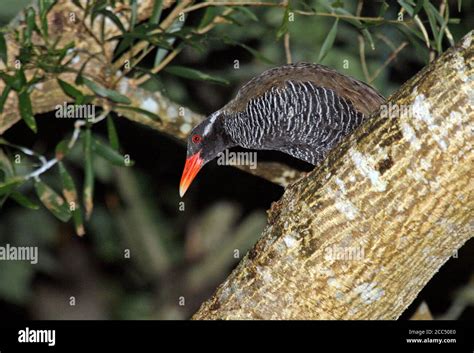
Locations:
(395, 200)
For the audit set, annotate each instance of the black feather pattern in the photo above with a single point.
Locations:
(300, 119)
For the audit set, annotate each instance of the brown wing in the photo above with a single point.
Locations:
(364, 98)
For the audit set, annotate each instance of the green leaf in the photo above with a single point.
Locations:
(6, 166)
(44, 7)
(209, 15)
(284, 23)
(88, 192)
(105, 92)
(71, 91)
(176, 26)
(408, 8)
(69, 188)
(156, 12)
(109, 154)
(431, 12)
(113, 17)
(383, 9)
(23, 200)
(96, 7)
(123, 45)
(368, 38)
(194, 74)
(4, 96)
(26, 111)
(444, 24)
(17, 81)
(62, 148)
(133, 19)
(30, 16)
(329, 41)
(112, 134)
(70, 194)
(341, 11)
(79, 78)
(149, 114)
(418, 7)
(6, 176)
(52, 201)
(247, 12)
(3, 49)
(10, 184)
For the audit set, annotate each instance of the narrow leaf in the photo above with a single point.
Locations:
(418, 7)
(52, 201)
(133, 19)
(194, 74)
(14, 81)
(408, 8)
(69, 188)
(23, 200)
(149, 114)
(368, 38)
(247, 12)
(430, 12)
(156, 12)
(62, 148)
(105, 92)
(70, 90)
(284, 24)
(3, 49)
(328, 42)
(44, 7)
(70, 194)
(112, 134)
(79, 78)
(10, 184)
(30, 24)
(4, 96)
(109, 153)
(6, 166)
(383, 9)
(176, 26)
(26, 111)
(113, 17)
(209, 15)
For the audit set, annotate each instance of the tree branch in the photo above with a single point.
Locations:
(176, 121)
(361, 235)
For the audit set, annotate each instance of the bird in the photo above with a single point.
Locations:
(301, 109)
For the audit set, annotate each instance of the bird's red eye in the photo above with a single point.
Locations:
(196, 139)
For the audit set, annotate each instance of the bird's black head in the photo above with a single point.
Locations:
(205, 142)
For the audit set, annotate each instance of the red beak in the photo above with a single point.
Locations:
(191, 168)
